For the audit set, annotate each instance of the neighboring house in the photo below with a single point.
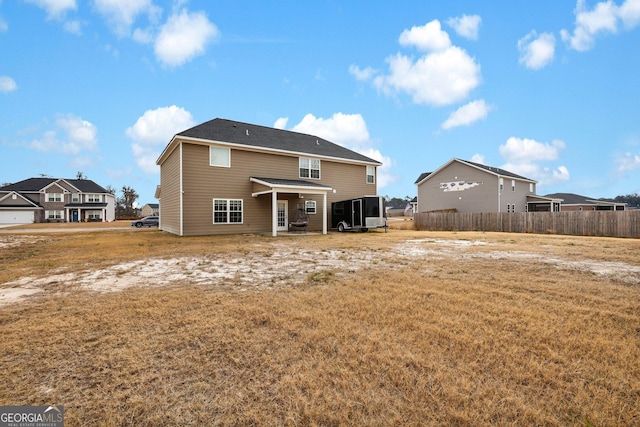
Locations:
(465, 186)
(55, 200)
(150, 209)
(227, 177)
(576, 202)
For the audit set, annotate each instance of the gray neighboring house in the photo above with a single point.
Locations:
(464, 186)
(55, 200)
(576, 202)
(228, 177)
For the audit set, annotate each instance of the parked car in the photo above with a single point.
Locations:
(147, 221)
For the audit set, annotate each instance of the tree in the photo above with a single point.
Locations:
(80, 175)
(632, 200)
(111, 190)
(124, 204)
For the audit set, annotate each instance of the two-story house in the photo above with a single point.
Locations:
(55, 200)
(466, 186)
(228, 177)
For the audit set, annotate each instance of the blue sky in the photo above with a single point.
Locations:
(545, 89)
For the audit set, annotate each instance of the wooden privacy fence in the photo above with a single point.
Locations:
(584, 223)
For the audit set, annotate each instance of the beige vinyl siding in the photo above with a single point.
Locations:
(10, 201)
(203, 183)
(170, 193)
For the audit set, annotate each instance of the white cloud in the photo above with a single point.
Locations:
(629, 12)
(344, 129)
(153, 130)
(467, 114)
(524, 156)
(350, 131)
(536, 51)
(444, 75)
(73, 27)
(121, 14)
(439, 78)
(183, 37)
(428, 37)
(55, 8)
(281, 123)
(525, 149)
(78, 136)
(605, 17)
(4, 27)
(466, 26)
(628, 162)
(478, 158)
(7, 84)
(362, 74)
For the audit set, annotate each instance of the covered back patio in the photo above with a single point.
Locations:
(280, 220)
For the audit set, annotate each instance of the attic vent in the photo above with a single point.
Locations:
(317, 143)
(247, 132)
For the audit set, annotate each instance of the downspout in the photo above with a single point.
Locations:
(181, 195)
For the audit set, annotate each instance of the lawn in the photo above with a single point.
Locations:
(140, 327)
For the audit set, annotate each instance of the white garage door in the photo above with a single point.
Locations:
(16, 217)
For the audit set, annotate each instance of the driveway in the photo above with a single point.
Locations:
(65, 227)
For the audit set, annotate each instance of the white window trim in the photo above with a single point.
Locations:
(93, 198)
(228, 150)
(309, 168)
(55, 211)
(228, 211)
(50, 195)
(373, 169)
(315, 207)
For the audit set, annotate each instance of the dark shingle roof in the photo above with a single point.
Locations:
(422, 176)
(577, 199)
(224, 130)
(496, 170)
(37, 184)
(30, 184)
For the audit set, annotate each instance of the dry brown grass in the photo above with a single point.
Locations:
(479, 339)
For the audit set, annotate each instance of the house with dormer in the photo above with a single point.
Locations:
(36, 200)
(229, 177)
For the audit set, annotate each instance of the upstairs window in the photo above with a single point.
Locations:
(513, 185)
(75, 197)
(371, 175)
(93, 198)
(501, 182)
(309, 168)
(220, 157)
(54, 197)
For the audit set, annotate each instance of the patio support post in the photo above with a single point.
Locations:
(324, 213)
(274, 213)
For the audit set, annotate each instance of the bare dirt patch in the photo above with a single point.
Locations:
(278, 264)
